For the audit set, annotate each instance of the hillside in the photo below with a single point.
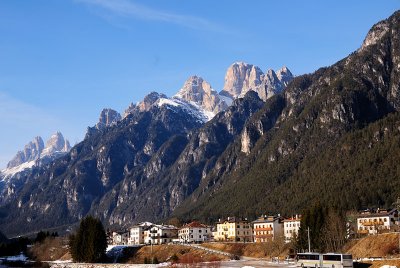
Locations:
(336, 141)
(383, 245)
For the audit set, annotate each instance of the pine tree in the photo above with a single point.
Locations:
(89, 243)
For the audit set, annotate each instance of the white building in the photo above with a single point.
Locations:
(120, 238)
(267, 228)
(378, 221)
(160, 234)
(137, 233)
(194, 232)
(291, 228)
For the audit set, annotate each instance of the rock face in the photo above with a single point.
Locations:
(36, 150)
(35, 155)
(200, 92)
(145, 105)
(242, 77)
(56, 144)
(375, 34)
(108, 117)
(31, 152)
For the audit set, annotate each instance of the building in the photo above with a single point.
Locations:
(160, 234)
(373, 222)
(234, 229)
(291, 228)
(194, 232)
(136, 233)
(267, 228)
(120, 238)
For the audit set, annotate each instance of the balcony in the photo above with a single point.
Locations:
(372, 223)
(263, 229)
(263, 236)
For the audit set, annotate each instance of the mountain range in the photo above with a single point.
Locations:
(266, 143)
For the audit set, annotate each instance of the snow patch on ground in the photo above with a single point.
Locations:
(20, 257)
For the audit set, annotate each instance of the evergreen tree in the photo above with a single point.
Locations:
(313, 218)
(89, 243)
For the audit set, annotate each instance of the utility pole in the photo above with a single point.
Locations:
(308, 236)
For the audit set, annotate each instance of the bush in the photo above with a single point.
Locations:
(90, 242)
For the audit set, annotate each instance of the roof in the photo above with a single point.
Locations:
(166, 227)
(232, 220)
(194, 224)
(267, 219)
(384, 213)
(292, 219)
(143, 224)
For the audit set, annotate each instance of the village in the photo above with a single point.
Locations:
(236, 229)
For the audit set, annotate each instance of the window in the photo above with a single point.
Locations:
(332, 257)
(199, 231)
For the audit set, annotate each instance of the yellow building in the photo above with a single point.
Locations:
(234, 229)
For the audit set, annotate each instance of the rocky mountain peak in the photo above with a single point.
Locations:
(149, 100)
(55, 144)
(284, 75)
(198, 91)
(31, 152)
(375, 34)
(239, 78)
(243, 77)
(108, 117)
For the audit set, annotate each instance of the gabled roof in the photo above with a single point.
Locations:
(233, 220)
(298, 218)
(166, 227)
(143, 224)
(384, 213)
(194, 224)
(267, 219)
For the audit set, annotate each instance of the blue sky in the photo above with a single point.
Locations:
(62, 61)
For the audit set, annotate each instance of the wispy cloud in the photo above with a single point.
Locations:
(19, 113)
(20, 122)
(126, 8)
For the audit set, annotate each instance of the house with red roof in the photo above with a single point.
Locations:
(194, 232)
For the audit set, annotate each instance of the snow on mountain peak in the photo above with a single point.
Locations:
(31, 152)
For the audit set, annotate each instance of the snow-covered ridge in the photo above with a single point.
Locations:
(191, 108)
(7, 172)
(34, 152)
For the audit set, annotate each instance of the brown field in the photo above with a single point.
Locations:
(50, 249)
(177, 253)
(383, 245)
